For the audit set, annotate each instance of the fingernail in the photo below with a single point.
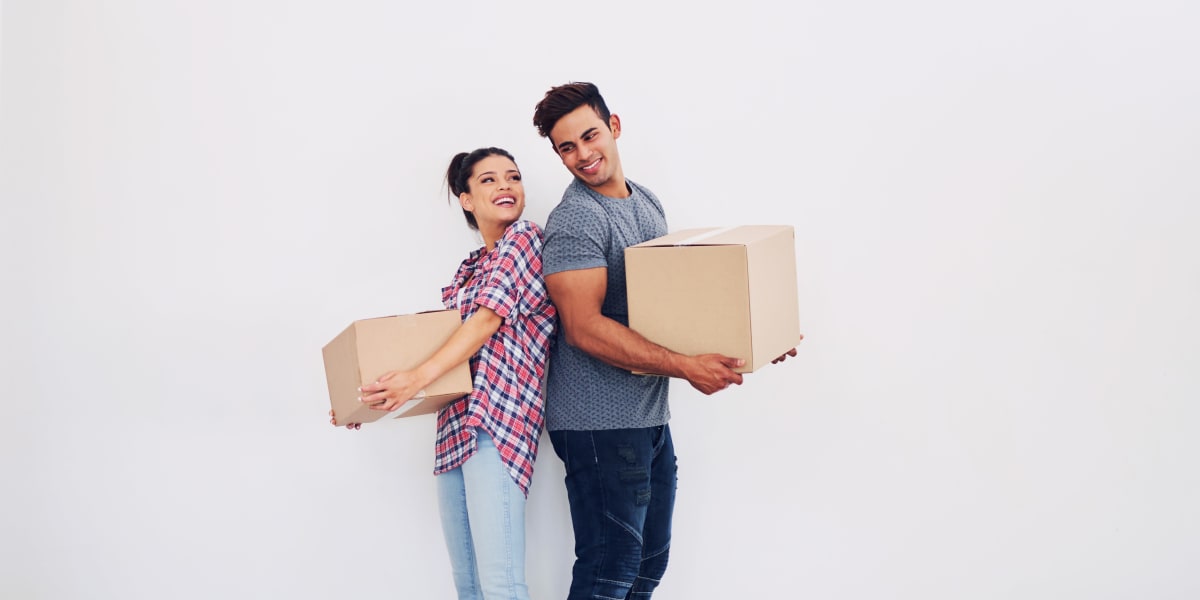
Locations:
(360, 397)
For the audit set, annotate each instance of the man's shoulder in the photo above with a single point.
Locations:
(576, 205)
(637, 188)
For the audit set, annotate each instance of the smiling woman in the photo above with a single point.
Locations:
(487, 442)
(487, 183)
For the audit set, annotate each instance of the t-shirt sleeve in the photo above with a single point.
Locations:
(577, 235)
(516, 268)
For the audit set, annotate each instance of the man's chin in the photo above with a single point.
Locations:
(596, 180)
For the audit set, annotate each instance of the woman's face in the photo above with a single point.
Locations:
(496, 196)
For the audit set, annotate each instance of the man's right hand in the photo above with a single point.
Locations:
(711, 373)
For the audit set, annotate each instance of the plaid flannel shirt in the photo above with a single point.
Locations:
(509, 370)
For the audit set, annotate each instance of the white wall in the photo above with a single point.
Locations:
(995, 208)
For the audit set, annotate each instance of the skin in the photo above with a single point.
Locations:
(496, 197)
(587, 147)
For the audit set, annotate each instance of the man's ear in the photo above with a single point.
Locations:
(614, 125)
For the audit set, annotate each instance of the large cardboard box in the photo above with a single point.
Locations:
(371, 347)
(729, 290)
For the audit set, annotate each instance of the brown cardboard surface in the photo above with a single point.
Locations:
(369, 348)
(728, 290)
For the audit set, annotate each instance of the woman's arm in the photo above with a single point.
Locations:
(397, 387)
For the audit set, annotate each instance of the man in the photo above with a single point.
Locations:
(608, 425)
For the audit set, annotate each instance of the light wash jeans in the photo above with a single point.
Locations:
(483, 519)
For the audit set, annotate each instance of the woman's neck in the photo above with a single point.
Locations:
(492, 232)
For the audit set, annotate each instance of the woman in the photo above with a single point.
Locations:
(487, 442)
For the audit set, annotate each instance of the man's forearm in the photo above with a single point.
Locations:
(624, 348)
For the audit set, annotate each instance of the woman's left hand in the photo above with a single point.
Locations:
(391, 390)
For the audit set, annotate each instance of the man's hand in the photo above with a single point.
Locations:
(785, 355)
(711, 373)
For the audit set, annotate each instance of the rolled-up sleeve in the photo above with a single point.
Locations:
(518, 267)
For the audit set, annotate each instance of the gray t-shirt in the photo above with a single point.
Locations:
(588, 230)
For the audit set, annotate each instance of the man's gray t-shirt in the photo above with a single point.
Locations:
(588, 230)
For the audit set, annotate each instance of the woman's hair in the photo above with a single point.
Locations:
(565, 98)
(458, 175)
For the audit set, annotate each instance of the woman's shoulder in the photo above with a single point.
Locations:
(523, 229)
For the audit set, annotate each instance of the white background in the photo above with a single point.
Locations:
(996, 208)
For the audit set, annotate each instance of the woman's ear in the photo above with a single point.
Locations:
(465, 200)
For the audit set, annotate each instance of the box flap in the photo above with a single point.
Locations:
(424, 312)
(738, 235)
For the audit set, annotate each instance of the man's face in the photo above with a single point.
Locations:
(588, 148)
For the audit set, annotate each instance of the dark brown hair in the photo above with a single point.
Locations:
(458, 174)
(565, 98)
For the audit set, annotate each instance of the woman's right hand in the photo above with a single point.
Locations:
(333, 421)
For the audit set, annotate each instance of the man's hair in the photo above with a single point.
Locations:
(565, 98)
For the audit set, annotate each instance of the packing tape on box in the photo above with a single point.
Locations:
(689, 241)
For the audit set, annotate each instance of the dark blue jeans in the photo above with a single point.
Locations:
(621, 487)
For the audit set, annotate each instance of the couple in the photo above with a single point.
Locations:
(607, 425)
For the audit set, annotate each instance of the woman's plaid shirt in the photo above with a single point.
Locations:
(509, 370)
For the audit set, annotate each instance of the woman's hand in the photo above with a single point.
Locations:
(393, 389)
(333, 421)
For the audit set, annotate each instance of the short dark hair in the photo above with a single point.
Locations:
(458, 174)
(565, 98)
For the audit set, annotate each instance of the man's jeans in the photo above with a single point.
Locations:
(621, 487)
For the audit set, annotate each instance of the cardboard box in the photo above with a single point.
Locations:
(728, 290)
(371, 347)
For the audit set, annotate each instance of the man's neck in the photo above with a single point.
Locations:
(614, 189)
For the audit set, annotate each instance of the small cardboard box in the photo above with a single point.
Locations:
(728, 290)
(371, 347)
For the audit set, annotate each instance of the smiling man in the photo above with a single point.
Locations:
(608, 425)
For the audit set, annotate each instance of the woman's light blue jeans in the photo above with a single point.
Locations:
(483, 519)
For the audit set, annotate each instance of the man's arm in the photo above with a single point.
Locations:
(578, 296)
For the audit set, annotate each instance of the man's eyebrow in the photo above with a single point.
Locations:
(583, 135)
